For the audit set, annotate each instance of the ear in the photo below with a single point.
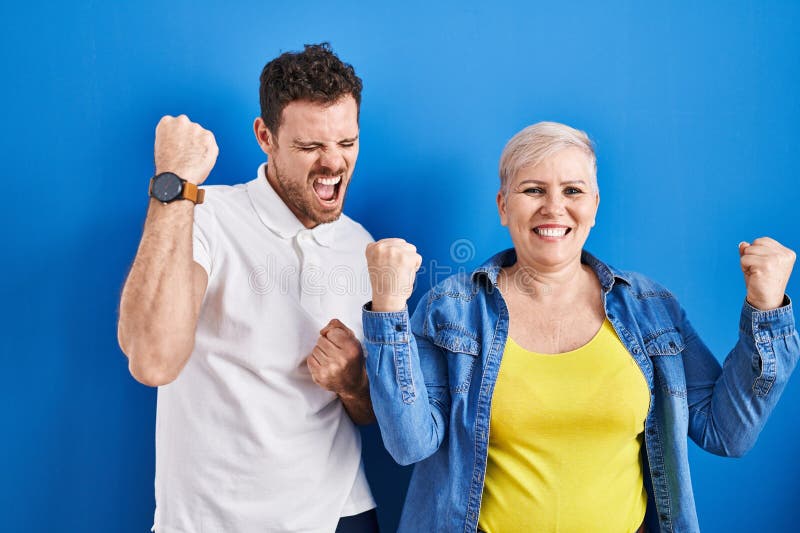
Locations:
(501, 208)
(596, 206)
(264, 137)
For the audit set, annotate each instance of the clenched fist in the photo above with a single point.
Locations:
(184, 148)
(767, 265)
(393, 265)
(336, 363)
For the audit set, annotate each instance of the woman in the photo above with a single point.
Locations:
(548, 391)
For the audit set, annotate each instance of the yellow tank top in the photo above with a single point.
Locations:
(565, 441)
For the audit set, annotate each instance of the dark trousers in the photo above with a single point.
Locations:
(361, 523)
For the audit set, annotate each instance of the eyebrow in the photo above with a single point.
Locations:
(538, 182)
(300, 142)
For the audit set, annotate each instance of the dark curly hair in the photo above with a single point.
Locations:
(316, 74)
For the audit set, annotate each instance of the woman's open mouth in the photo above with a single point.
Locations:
(551, 233)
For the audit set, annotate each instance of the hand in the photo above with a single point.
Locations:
(184, 148)
(337, 362)
(767, 265)
(393, 266)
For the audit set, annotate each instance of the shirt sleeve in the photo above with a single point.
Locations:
(729, 404)
(408, 383)
(203, 232)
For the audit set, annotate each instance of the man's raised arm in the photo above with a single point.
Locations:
(161, 298)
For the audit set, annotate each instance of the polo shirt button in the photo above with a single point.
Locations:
(398, 327)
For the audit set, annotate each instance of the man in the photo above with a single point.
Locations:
(236, 305)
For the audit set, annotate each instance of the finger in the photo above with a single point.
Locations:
(754, 261)
(333, 324)
(319, 354)
(760, 249)
(312, 363)
(313, 369)
(768, 241)
(327, 327)
(345, 341)
(394, 241)
(343, 327)
(742, 247)
(163, 120)
(329, 347)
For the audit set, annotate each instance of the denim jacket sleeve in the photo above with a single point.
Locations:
(729, 406)
(408, 383)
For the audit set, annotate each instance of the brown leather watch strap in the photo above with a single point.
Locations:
(193, 192)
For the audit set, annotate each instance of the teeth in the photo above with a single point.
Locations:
(329, 181)
(551, 232)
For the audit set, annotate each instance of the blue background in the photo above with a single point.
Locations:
(694, 109)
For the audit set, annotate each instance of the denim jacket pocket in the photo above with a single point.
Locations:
(664, 348)
(462, 350)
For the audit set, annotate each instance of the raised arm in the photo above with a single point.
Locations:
(161, 298)
(729, 405)
(407, 373)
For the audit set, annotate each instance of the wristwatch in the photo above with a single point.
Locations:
(168, 187)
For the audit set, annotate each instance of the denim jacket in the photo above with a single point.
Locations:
(432, 379)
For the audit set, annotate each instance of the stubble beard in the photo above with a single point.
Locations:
(297, 197)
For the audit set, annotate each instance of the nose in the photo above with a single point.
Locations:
(331, 160)
(553, 204)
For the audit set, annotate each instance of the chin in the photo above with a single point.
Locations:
(323, 214)
(328, 217)
(550, 259)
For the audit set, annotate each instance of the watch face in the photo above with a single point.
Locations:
(167, 187)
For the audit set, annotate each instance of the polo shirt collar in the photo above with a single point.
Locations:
(277, 216)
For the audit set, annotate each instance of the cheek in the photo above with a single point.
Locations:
(585, 214)
(350, 158)
(307, 164)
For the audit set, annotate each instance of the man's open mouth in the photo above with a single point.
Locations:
(327, 188)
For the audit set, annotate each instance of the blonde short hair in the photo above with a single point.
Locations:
(535, 143)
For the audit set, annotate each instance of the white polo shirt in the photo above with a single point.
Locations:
(245, 440)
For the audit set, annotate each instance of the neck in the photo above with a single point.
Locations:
(545, 284)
